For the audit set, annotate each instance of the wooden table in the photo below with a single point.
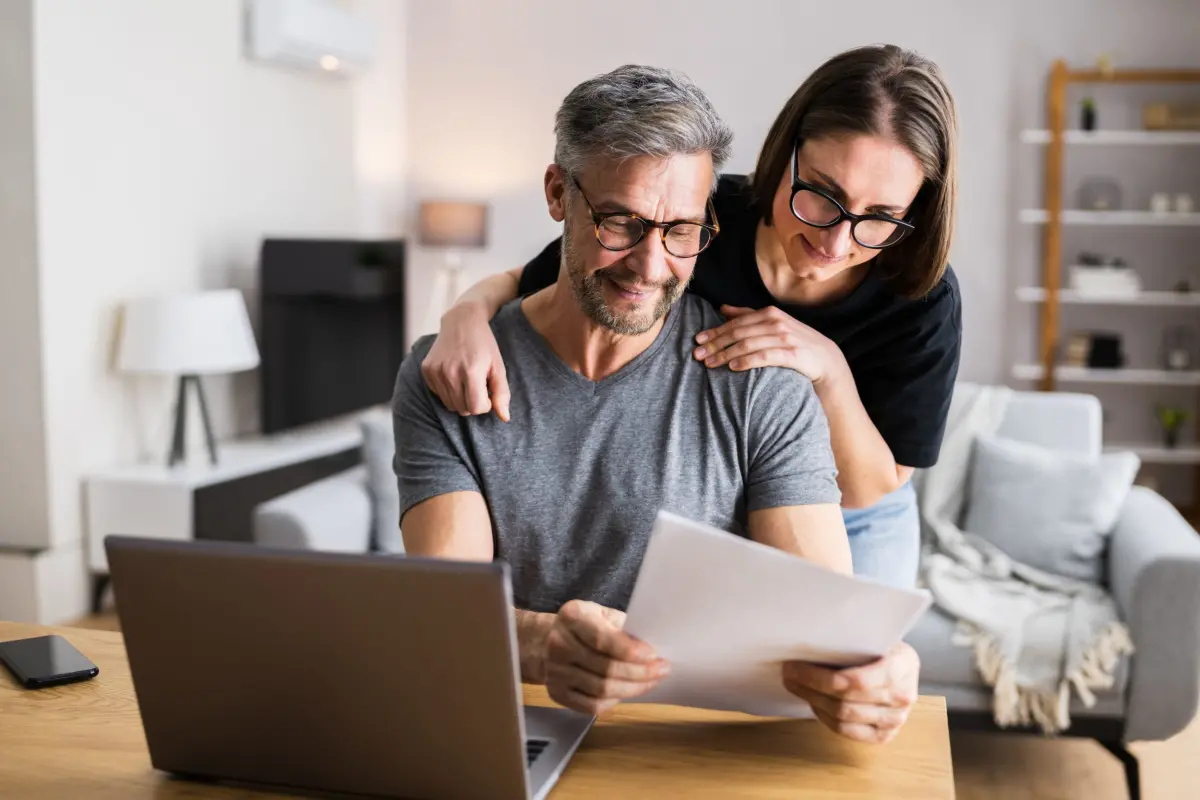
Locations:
(86, 740)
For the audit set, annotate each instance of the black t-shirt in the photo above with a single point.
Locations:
(904, 353)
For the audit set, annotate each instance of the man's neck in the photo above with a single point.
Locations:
(592, 350)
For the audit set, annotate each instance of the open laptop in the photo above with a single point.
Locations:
(331, 672)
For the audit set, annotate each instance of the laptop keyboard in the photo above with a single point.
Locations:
(534, 748)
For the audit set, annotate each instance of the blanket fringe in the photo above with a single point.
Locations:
(1096, 668)
(1014, 704)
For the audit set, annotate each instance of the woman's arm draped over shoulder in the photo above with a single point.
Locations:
(464, 367)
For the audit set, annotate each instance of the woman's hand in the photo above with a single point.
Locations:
(769, 337)
(464, 367)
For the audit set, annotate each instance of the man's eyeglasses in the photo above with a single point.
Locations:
(621, 230)
(814, 206)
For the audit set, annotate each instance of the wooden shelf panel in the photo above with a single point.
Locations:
(1039, 216)
(1115, 137)
(1123, 375)
(1036, 294)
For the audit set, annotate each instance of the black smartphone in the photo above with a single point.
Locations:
(46, 661)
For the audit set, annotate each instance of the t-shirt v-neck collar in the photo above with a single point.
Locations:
(546, 354)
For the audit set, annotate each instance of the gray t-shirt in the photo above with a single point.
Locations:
(574, 481)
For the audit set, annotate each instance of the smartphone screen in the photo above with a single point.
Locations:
(46, 659)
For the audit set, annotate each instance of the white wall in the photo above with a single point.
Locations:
(23, 507)
(163, 158)
(380, 115)
(486, 79)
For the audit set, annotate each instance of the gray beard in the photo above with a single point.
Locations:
(589, 294)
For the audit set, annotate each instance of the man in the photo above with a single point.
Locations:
(612, 419)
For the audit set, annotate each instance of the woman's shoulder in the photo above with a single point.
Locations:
(946, 300)
(733, 197)
(942, 303)
(725, 272)
(884, 320)
(738, 219)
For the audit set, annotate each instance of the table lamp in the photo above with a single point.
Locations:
(454, 226)
(188, 335)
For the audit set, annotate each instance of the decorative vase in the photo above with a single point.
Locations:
(1178, 347)
(1099, 193)
(1171, 437)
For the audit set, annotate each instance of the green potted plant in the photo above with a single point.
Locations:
(1171, 420)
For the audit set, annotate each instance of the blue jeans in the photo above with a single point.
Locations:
(885, 539)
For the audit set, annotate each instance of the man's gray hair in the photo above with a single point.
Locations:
(638, 111)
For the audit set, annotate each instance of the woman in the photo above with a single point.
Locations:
(832, 261)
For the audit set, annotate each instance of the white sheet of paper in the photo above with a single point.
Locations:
(726, 612)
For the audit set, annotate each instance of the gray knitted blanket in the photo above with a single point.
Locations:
(1035, 636)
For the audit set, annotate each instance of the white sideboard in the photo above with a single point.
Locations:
(196, 500)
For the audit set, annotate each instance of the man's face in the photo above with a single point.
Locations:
(628, 291)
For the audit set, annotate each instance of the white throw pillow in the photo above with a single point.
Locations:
(379, 449)
(1046, 508)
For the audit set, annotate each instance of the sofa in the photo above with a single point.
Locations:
(355, 511)
(333, 514)
(1153, 572)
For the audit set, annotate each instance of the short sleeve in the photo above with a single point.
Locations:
(542, 271)
(790, 455)
(906, 384)
(431, 457)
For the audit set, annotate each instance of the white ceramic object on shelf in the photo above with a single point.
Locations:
(1160, 203)
(1104, 281)
(1183, 203)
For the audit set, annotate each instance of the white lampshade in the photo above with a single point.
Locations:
(188, 334)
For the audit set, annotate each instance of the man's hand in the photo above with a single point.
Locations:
(868, 703)
(591, 664)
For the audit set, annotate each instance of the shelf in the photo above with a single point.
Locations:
(1079, 217)
(1113, 137)
(1036, 294)
(1154, 453)
(1129, 375)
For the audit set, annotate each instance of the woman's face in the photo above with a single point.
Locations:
(868, 175)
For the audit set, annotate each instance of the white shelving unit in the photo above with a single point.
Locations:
(1152, 453)
(1074, 216)
(1131, 137)
(1137, 228)
(1122, 375)
(1036, 294)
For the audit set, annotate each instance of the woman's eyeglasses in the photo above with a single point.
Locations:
(814, 206)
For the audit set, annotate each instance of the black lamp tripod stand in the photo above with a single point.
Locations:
(177, 442)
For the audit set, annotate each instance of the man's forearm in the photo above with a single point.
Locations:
(533, 629)
(866, 468)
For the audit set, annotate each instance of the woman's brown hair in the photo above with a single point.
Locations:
(879, 91)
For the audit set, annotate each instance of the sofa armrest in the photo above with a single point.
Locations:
(1154, 575)
(330, 514)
